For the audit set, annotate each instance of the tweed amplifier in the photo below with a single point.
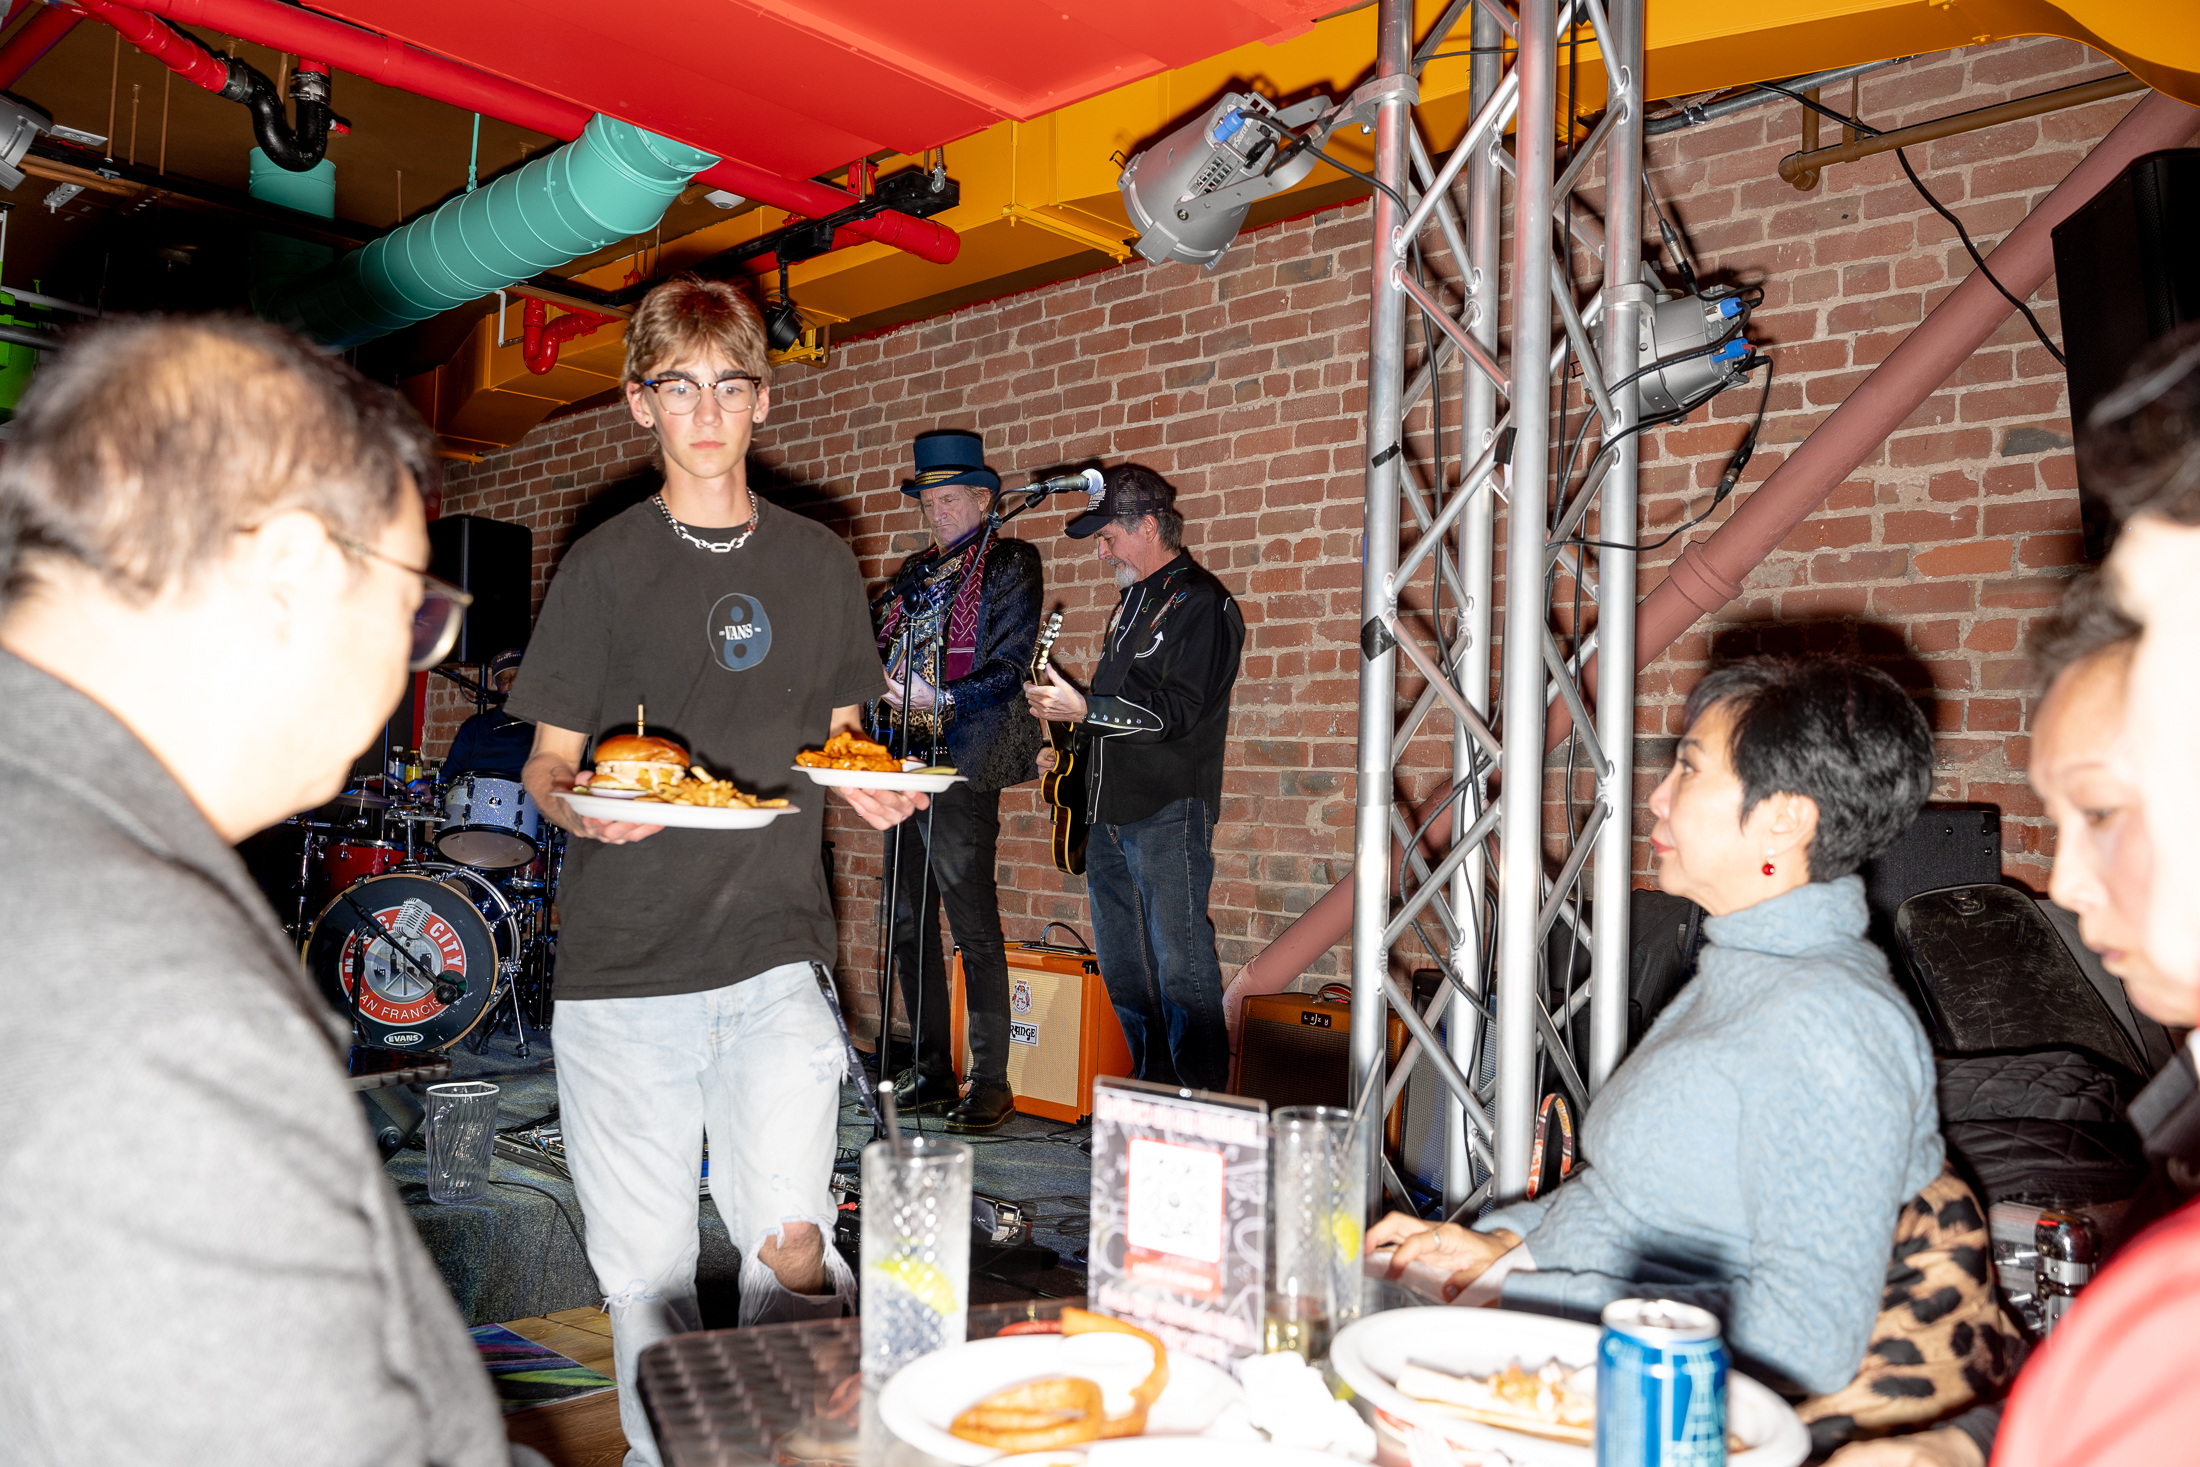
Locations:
(1062, 1030)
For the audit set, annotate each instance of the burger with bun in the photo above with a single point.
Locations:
(638, 762)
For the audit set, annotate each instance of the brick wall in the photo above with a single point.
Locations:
(1244, 387)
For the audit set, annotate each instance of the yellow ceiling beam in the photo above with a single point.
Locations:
(1039, 202)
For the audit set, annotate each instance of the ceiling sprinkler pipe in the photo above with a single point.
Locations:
(38, 36)
(541, 337)
(392, 63)
(296, 148)
(614, 182)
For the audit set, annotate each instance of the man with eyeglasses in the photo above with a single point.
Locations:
(211, 537)
(689, 1006)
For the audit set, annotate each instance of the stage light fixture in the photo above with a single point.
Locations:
(782, 317)
(1188, 193)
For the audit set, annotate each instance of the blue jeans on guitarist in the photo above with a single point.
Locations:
(1148, 882)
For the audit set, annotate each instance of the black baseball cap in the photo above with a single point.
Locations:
(1127, 494)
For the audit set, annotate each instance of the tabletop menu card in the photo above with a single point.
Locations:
(1179, 1203)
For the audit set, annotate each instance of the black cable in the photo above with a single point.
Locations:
(1727, 480)
(1866, 130)
(1297, 142)
(555, 1201)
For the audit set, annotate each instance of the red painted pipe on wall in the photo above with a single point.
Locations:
(34, 40)
(392, 63)
(1709, 575)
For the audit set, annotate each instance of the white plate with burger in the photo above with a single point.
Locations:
(650, 781)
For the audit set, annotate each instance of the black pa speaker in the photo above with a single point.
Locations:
(2127, 270)
(496, 562)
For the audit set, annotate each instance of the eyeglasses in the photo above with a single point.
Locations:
(442, 609)
(683, 394)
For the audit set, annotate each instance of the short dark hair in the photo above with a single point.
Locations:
(2087, 621)
(222, 423)
(2141, 446)
(1842, 733)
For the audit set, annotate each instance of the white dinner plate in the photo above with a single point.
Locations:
(690, 817)
(1172, 1451)
(1369, 1354)
(923, 1400)
(867, 779)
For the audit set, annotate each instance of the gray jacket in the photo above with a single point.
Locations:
(1753, 1152)
(201, 1259)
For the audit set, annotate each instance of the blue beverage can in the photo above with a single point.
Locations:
(1661, 1386)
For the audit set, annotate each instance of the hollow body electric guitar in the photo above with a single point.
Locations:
(1063, 786)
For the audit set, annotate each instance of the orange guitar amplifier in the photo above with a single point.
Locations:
(1062, 1031)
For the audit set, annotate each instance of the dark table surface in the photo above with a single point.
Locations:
(782, 1393)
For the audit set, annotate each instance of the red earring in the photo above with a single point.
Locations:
(1768, 868)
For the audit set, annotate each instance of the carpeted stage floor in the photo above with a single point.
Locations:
(519, 1254)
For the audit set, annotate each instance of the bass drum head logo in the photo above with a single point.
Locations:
(740, 632)
(1019, 996)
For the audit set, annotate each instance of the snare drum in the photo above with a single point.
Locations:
(488, 823)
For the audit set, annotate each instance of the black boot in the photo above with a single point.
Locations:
(985, 1107)
(924, 1092)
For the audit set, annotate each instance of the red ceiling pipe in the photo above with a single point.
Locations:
(178, 53)
(1710, 574)
(34, 40)
(539, 342)
(394, 64)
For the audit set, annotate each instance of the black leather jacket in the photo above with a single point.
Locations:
(992, 737)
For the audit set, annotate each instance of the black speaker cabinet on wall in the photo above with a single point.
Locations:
(496, 562)
(2127, 271)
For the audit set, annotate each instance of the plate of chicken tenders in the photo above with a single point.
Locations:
(849, 762)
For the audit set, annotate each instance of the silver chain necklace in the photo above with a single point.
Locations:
(718, 547)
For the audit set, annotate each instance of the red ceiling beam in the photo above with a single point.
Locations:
(392, 63)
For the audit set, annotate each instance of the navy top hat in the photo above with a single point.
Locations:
(950, 456)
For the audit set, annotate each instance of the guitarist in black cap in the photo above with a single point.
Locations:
(956, 632)
(1150, 736)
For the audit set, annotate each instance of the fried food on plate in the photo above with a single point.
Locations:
(700, 789)
(1063, 1410)
(847, 751)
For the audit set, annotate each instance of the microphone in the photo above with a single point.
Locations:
(1087, 482)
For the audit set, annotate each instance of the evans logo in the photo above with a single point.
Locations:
(1313, 1019)
(403, 1037)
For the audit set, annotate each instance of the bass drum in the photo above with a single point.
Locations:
(425, 948)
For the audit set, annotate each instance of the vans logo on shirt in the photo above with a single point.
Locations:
(740, 632)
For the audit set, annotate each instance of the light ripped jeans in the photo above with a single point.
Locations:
(756, 1067)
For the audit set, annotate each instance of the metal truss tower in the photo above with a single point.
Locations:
(1504, 883)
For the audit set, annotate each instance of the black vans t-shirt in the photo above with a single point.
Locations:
(742, 657)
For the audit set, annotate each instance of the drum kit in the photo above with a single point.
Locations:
(422, 906)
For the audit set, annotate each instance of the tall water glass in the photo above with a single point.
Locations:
(916, 1250)
(1317, 1196)
(462, 1138)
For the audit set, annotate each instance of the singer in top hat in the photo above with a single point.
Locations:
(956, 632)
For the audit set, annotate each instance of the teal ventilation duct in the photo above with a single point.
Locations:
(611, 182)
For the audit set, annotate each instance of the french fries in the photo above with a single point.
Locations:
(700, 789)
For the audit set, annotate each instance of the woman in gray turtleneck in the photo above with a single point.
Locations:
(1753, 1153)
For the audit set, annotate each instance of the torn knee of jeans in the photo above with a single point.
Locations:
(776, 1235)
(637, 1292)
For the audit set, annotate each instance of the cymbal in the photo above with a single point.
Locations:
(362, 800)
